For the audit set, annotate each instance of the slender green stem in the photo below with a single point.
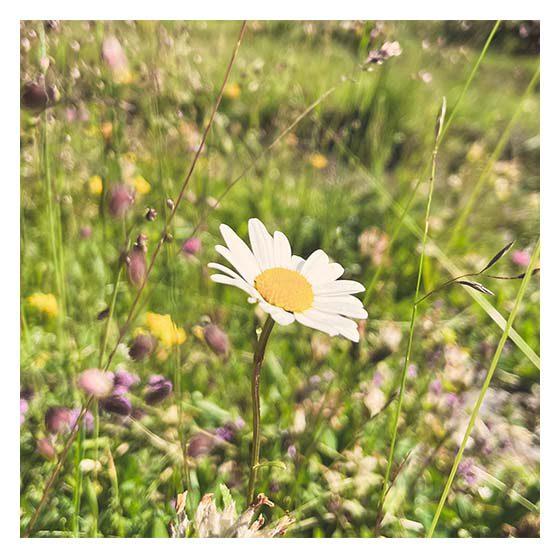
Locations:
(461, 220)
(255, 399)
(96, 455)
(402, 381)
(486, 384)
(78, 455)
(400, 222)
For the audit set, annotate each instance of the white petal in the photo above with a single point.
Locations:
(241, 284)
(342, 305)
(339, 287)
(297, 262)
(241, 253)
(261, 243)
(331, 319)
(313, 324)
(282, 251)
(335, 271)
(237, 262)
(224, 269)
(314, 264)
(329, 323)
(281, 316)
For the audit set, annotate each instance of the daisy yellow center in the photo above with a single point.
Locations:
(285, 288)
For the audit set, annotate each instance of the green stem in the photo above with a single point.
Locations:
(486, 384)
(394, 235)
(402, 381)
(255, 397)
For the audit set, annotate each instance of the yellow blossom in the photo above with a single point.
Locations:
(318, 161)
(123, 77)
(232, 91)
(107, 130)
(141, 185)
(164, 329)
(45, 303)
(95, 185)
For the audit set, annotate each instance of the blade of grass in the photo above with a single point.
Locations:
(484, 388)
(445, 261)
(402, 381)
(393, 236)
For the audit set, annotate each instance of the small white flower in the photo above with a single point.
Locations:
(288, 287)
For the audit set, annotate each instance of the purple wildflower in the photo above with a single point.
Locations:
(467, 472)
(87, 419)
(192, 246)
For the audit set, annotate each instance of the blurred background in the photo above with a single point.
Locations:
(112, 114)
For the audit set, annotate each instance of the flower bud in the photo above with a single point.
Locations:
(200, 444)
(158, 389)
(151, 214)
(96, 383)
(116, 404)
(142, 346)
(191, 246)
(217, 339)
(121, 198)
(46, 449)
(136, 266)
(58, 420)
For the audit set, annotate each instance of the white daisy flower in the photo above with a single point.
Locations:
(288, 287)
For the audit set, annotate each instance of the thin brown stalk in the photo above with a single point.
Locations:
(177, 202)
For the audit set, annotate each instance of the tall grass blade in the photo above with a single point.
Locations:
(486, 384)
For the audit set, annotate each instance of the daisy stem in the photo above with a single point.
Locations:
(402, 382)
(256, 401)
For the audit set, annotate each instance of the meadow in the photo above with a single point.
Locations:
(408, 151)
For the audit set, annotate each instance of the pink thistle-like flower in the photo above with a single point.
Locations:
(96, 383)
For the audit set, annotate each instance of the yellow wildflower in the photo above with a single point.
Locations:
(164, 329)
(107, 130)
(45, 303)
(141, 185)
(232, 91)
(318, 161)
(95, 185)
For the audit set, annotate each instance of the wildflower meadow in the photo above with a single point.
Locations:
(279, 279)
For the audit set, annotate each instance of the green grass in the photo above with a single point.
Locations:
(376, 130)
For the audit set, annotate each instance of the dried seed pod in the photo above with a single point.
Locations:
(151, 214)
